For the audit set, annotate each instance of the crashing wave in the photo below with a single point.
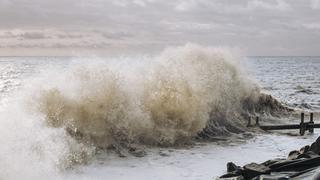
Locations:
(184, 92)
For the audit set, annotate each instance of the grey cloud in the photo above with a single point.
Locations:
(23, 35)
(312, 26)
(7, 35)
(116, 35)
(280, 5)
(33, 35)
(69, 36)
(256, 25)
(315, 4)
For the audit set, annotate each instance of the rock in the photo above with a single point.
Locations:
(308, 154)
(253, 169)
(231, 167)
(293, 154)
(315, 147)
(283, 163)
(234, 172)
(230, 177)
(302, 164)
(272, 161)
(302, 153)
(304, 149)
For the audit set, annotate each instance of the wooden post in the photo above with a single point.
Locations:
(257, 121)
(249, 122)
(302, 125)
(311, 128)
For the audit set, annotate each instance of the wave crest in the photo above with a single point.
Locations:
(183, 91)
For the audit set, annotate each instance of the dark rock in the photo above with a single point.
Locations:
(234, 172)
(293, 154)
(302, 164)
(231, 167)
(308, 154)
(304, 149)
(272, 161)
(232, 177)
(253, 169)
(315, 147)
(283, 163)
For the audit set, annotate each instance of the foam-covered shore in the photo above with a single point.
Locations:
(203, 161)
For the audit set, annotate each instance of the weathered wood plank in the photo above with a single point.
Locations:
(303, 126)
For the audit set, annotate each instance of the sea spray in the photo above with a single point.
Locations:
(183, 89)
(64, 116)
(61, 117)
(30, 150)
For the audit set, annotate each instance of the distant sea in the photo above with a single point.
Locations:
(294, 81)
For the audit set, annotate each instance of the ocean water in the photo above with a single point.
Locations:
(51, 153)
(293, 80)
(15, 70)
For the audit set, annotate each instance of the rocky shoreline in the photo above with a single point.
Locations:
(300, 164)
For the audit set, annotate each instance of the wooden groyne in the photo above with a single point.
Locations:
(303, 126)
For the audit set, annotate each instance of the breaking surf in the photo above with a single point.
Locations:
(65, 116)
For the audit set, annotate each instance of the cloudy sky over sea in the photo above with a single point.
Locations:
(68, 27)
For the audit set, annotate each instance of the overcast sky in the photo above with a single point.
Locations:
(68, 27)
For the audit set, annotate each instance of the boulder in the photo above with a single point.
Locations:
(302, 164)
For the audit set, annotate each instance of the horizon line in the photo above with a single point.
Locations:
(100, 55)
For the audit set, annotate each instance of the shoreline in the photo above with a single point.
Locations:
(205, 161)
